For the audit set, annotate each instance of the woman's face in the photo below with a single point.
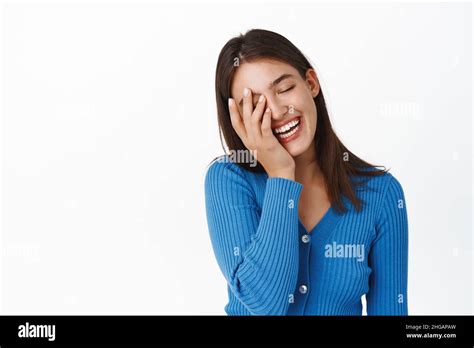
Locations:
(289, 97)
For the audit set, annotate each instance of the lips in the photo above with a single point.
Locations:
(290, 131)
(283, 123)
(287, 126)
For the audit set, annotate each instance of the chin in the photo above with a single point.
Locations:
(298, 141)
(296, 150)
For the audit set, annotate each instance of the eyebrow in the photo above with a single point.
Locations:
(272, 84)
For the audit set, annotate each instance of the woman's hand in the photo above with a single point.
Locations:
(256, 134)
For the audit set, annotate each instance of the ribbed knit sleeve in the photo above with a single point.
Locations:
(256, 249)
(388, 257)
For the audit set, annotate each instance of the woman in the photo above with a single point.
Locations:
(311, 228)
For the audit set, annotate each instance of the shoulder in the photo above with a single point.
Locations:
(387, 185)
(379, 190)
(223, 173)
(221, 167)
(381, 183)
(392, 202)
(391, 186)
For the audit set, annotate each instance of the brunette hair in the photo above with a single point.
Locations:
(339, 166)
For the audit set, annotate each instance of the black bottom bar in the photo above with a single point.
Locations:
(222, 330)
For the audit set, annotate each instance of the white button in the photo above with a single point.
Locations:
(305, 238)
(303, 289)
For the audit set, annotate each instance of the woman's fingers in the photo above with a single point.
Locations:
(253, 122)
(236, 120)
(247, 110)
(256, 119)
(267, 124)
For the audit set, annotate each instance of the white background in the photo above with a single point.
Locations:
(109, 121)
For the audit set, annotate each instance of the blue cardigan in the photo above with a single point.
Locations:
(273, 266)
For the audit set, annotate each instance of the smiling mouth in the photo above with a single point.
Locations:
(288, 129)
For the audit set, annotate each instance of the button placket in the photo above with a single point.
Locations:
(306, 238)
(303, 277)
(303, 289)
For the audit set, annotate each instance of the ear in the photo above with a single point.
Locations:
(312, 82)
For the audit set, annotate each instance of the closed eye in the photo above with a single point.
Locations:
(286, 90)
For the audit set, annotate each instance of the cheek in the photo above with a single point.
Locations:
(311, 129)
(311, 118)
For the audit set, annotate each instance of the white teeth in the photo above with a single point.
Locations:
(286, 127)
(289, 134)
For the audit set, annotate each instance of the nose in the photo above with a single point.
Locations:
(278, 111)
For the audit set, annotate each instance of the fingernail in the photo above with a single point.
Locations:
(246, 91)
(261, 98)
(229, 100)
(267, 110)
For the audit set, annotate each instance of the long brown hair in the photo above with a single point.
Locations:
(339, 166)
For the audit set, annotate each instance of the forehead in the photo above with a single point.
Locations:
(258, 75)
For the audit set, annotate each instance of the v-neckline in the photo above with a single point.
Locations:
(317, 224)
(325, 224)
(328, 221)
